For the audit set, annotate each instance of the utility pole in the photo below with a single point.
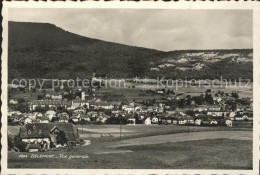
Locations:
(120, 126)
(188, 125)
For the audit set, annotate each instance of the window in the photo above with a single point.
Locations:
(29, 132)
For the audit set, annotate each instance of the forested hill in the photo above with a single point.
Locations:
(46, 51)
(41, 50)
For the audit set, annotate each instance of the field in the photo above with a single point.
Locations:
(148, 147)
(244, 90)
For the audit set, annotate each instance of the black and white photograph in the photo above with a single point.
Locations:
(118, 88)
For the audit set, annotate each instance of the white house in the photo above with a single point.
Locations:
(14, 102)
(182, 121)
(131, 121)
(232, 115)
(56, 97)
(44, 120)
(27, 120)
(197, 122)
(148, 121)
(50, 114)
(229, 122)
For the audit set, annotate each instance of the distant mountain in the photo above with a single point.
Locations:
(203, 64)
(41, 50)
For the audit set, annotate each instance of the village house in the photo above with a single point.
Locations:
(79, 103)
(86, 118)
(131, 121)
(32, 116)
(115, 111)
(50, 114)
(105, 106)
(92, 114)
(148, 121)
(56, 97)
(217, 113)
(45, 134)
(174, 121)
(49, 103)
(44, 120)
(75, 119)
(128, 108)
(104, 119)
(13, 102)
(182, 121)
(27, 120)
(189, 120)
(155, 120)
(63, 119)
(169, 120)
(232, 115)
(198, 121)
(214, 108)
(200, 108)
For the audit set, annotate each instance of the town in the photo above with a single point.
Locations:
(66, 108)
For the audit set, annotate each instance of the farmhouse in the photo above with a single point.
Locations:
(46, 133)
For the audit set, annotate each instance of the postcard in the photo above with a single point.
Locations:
(130, 87)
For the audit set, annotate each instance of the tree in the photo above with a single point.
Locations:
(22, 107)
(34, 90)
(61, 138)
(209, 99)
(21, 100)
(208, 91)
(235, 95)
(181, 103)
(54, 119)
(190, 112)
(19, 144)
(40, 97)
(56, 89)
(71, 121)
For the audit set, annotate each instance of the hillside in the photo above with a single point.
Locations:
(203, 64)
(41, 50)
(46, 51)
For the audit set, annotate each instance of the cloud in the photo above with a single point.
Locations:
(158, 29)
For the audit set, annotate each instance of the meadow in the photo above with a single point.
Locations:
(144, 146)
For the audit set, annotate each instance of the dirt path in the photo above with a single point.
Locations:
(104, 130)
(179, 137)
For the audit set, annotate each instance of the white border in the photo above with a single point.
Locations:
(255, 6)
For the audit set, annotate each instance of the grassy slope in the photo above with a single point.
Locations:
(203, 154)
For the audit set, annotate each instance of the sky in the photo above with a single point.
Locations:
(165, 30)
